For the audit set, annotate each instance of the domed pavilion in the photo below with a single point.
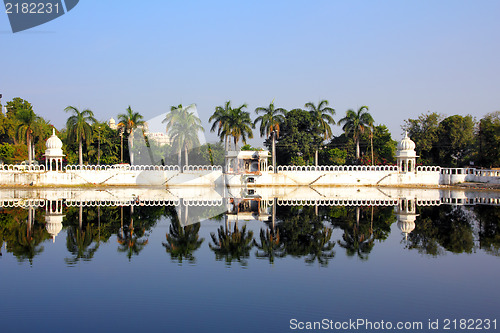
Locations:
(53, 153)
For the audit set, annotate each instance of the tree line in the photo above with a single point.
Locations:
(300, 136)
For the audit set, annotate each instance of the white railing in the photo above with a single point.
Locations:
(201, 168)
(336, 202)
(122, 167)
(22, 167)
(338, 168)
(422, 168)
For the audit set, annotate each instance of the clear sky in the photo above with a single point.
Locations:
(400, 58)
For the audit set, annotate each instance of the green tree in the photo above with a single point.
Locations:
(128, 122)
(424, 132)
(456, 140)
(26, 127)
(6, 152)
(355, 124)
(270, 122)
(489, 140)
(183, 127)
(220, 121)
(322, 116)
(298, 139)
(79, 128)
(270, 246)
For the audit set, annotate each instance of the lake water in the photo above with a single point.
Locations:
(255, 261)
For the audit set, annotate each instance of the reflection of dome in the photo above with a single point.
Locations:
(54, 225)
(406, 226)
(54, 142)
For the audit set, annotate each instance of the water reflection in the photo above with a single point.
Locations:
(268, 224)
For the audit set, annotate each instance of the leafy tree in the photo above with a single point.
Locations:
(105, 148)
(270, 122)
(489, 140)
(26, 128)
(6, 152)
(79, 128)
(355, 124)
(299, 138)
(322, 116)
(455, 140)
(424, 132)
(129, 121)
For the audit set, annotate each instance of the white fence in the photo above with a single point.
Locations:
(122, 167)
(22, 167)
(337, 168)
(201, 168)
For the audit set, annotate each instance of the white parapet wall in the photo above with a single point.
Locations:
(203, 175)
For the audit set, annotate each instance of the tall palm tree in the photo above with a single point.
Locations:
(27, 121)
(270, 123)
(355, 123)
(322, 116)
(129, 121)
(220, 119)
(239, 125)
(78, 126)
(183, 127)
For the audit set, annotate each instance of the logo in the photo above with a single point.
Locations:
(26, 14)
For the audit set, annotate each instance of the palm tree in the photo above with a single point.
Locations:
(270, 123)
(78, 243)
(129, 121)
(183, 127)
(220, 120)
(26, 128)
(78, 126)
(322, 116)
(356, 123)
(270, 245)
(239, 125)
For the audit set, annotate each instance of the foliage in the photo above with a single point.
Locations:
(79, 128)
(232, 245)
(424, 132)
(355, 124)
(489, 140)
(6, 153)
(298, 139)
(455, 140)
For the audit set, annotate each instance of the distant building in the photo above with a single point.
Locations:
(158, 137)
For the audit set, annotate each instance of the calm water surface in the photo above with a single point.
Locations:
(155, 269)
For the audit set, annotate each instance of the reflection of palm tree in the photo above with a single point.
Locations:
(183, 241)
(78, 243)
(357, 242)
(270, 245)
(235, 245)
(321, 247)
(130, 242)
(26, 242)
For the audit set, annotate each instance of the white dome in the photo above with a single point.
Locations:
(54, 145)
(406, 143)
(111, 121)
(54, 142)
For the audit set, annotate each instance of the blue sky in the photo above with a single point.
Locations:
(400, 58)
